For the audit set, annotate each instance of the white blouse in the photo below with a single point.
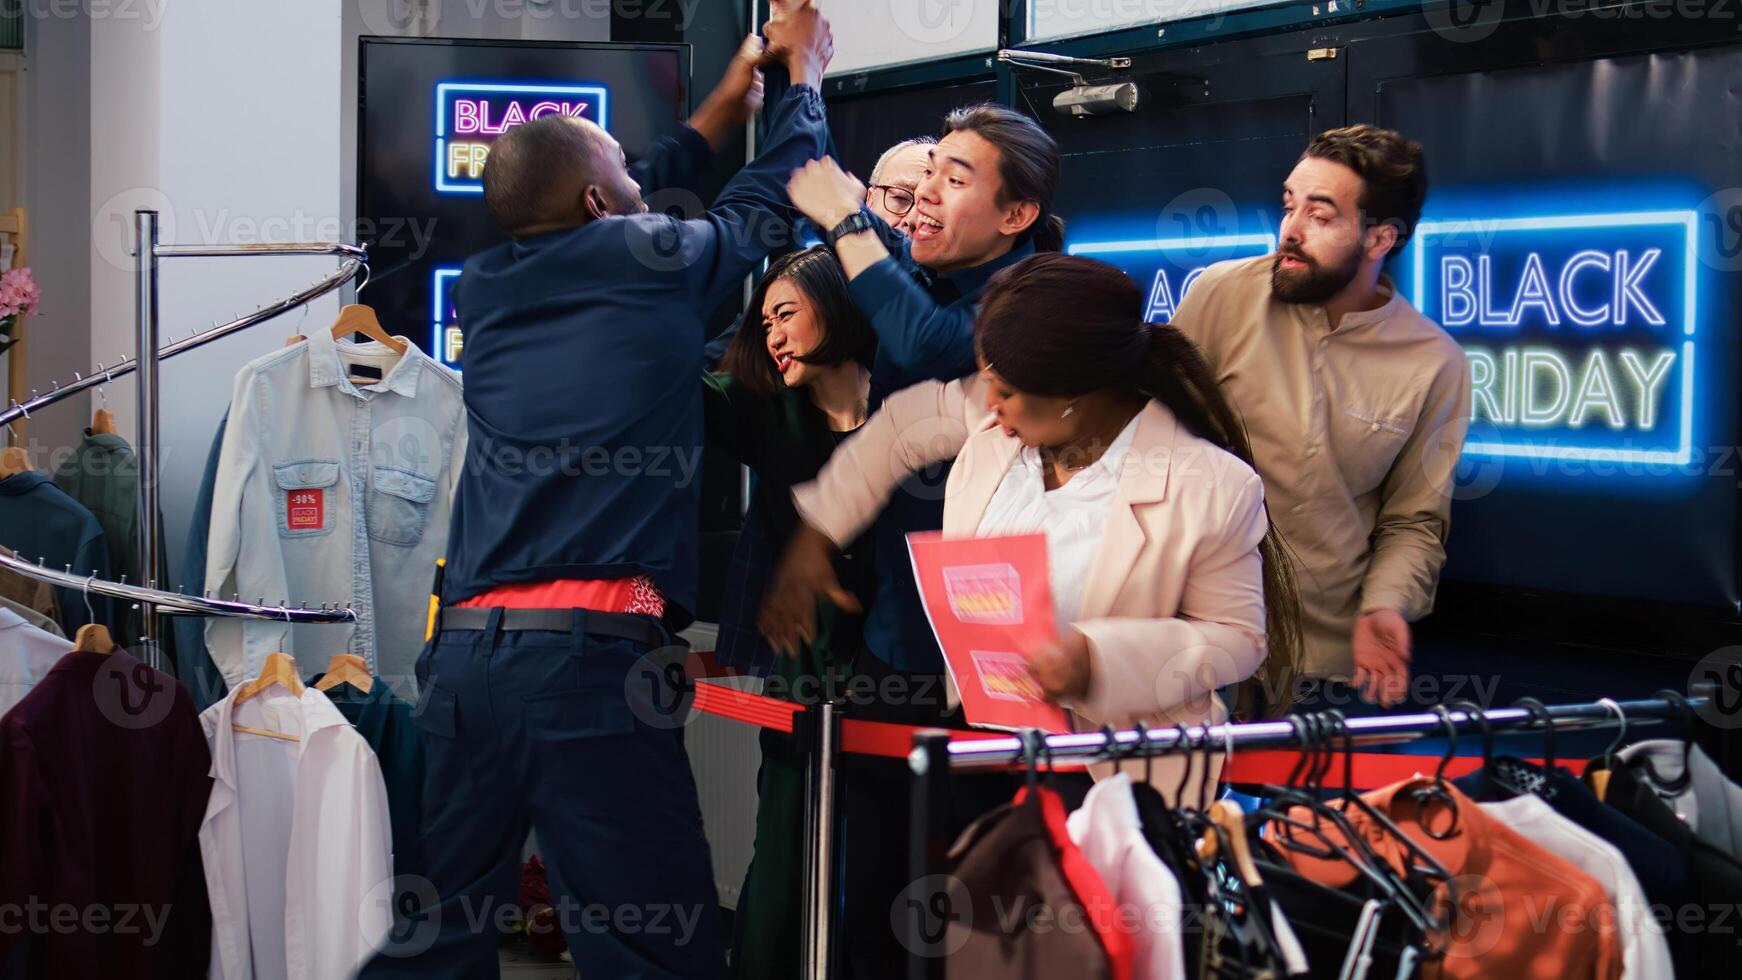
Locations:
(1072, 517)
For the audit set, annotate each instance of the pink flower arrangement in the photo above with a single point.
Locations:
(18, 295)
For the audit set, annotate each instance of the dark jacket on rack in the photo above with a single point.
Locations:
(104, 775)
(39, 521)
(193, 662)
(1716, 875)
(103, 474)
(1014, 868)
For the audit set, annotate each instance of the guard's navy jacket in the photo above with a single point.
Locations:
(582, 351)
(925, 331)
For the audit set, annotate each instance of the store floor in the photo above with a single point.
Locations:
(518, 964)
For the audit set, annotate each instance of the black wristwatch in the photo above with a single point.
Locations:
(852, 224)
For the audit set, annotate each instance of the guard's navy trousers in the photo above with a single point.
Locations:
(579, 736)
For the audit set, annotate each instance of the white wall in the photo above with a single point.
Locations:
(55, 174)
(893, 32)
(126, 93)
(1052, 19)
(246, 148)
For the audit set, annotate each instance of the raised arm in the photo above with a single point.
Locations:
(924, 424)
(715, 250)
(927, 423)
(916, 335)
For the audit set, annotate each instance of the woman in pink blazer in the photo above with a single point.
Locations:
(1111, 436)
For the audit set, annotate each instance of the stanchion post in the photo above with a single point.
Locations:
(928, 843)
(820, 840)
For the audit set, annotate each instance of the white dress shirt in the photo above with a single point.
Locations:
(296, 841)
(1107, 830)
(327, 491)
(1644, 951)
(1072, 516)
(26, 653)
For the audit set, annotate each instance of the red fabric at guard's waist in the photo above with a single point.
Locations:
(621, 595)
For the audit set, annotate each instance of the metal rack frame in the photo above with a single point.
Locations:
(177, 603)
(146, 253)
(934, 756)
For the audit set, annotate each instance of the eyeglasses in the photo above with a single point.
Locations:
(898, 200)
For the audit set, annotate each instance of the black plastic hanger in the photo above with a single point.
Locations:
(1439, 791)
(1683, 781)
(1539, 714)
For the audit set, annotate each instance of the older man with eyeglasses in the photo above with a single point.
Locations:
(894, 179)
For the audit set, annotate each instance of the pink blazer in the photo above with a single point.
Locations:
(1174, 605)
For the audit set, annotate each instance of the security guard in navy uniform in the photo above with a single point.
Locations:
(548, 685)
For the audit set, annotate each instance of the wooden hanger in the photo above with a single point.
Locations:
(346, 668)
(357, 318)
(13, 461)
(102, 422)
(1232, 820)
(279, 669)
(93, 638)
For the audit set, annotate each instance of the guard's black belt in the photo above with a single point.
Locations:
(621, 626)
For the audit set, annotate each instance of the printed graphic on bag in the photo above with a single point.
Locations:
(1004, 675)
(990, 594)
(307, 510)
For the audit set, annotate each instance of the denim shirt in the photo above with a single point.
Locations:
(330, 492)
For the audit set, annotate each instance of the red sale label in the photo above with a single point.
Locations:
(307, 510)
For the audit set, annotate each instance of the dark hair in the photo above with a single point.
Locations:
(519, 189)
(847, 335)
(1392, 170)
(1028, 163)
(1063, 326)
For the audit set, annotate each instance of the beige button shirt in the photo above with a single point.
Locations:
(1356, 432)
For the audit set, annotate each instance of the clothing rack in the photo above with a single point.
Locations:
(178, 603)
(146, 253)
(935, 755)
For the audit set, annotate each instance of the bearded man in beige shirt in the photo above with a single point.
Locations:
(1356, 404)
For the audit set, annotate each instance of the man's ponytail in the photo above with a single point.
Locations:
(1049, 233)
(1174, 373)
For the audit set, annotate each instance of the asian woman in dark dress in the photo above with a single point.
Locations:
(794, 383)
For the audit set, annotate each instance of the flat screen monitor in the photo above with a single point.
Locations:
(430, 110)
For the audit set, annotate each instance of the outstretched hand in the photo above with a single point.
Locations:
(737, 98)
(825, 193)
(805, 575)
(800, 38)
(1381, 648)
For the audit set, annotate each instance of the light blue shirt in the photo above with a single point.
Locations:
(328, 491)
(30, 653)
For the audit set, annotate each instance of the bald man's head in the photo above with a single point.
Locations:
(556, 172)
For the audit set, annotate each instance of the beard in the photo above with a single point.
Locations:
(1314, 284)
